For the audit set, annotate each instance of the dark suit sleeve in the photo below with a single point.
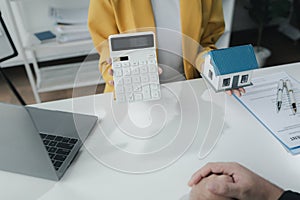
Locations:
(289, 195)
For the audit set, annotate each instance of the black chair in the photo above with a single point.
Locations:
(7, 51)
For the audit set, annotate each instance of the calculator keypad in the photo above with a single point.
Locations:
(136, 80)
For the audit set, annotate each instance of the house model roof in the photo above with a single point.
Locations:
(233, 59)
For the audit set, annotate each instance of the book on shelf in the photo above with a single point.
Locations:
(69, 15)
(69, 37)
(70, 24)
(43, 37)
(73, 28)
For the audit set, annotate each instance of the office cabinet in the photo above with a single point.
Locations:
(28, 17)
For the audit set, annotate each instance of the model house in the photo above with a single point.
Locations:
(230, 68)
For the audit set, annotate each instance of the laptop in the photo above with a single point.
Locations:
(40, 142)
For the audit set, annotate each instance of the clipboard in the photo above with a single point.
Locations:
(7, 47)
(260, 101)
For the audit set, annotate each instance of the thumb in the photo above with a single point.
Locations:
(227, 189)
(160, 70)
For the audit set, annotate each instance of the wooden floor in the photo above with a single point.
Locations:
(283, 51)
(18, 77)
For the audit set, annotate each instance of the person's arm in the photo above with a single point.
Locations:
(246, 184)
(101, 23)
(213, 27)
(289, 195)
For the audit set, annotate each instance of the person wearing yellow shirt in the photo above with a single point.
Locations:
(185, 31)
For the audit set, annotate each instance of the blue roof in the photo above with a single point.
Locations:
(233, 59)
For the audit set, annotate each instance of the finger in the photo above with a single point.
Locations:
(237, 92)
(229, 92)
(225, 178)
(160, 71)
(220, 178)
(242, 90)
(108, 60)
(111, 72)
(205, 171)
(212, 168)
(111, 82)
(226, 189)
(197, 176)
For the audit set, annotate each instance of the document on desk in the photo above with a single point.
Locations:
(260, 100)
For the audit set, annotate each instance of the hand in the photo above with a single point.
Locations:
(200, 191)
(237, 92)
(246, 184)
(111, 71)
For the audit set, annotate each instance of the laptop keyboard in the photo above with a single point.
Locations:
(58, 148)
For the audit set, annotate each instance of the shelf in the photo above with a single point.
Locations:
(55, 50)
(32, 16)
(53, 44)
(69, 76)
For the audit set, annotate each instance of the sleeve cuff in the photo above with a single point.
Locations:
(289, 195)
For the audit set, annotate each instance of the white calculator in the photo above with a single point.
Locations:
(135, 67)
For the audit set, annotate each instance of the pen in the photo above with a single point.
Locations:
(279, 94)
(291, 96)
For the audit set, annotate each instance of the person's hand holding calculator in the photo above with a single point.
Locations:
(134, 67)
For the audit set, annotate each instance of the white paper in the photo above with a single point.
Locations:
(78, 28)
(70, 16)
(73, 37)
(260, 100)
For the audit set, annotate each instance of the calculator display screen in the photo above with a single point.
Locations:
(132, 42)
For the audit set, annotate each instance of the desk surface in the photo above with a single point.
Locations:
(152, 154)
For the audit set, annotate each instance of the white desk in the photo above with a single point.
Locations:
(99, 171)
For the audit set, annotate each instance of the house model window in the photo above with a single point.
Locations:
(230, 68)
(244, 78)
(226, 82)
(210, 74)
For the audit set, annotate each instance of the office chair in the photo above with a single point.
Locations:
(7, 51)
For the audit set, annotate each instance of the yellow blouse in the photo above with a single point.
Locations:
(202, 23)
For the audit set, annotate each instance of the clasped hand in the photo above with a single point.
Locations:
(220, 181)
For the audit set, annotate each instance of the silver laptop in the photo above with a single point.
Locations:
(40, 142)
